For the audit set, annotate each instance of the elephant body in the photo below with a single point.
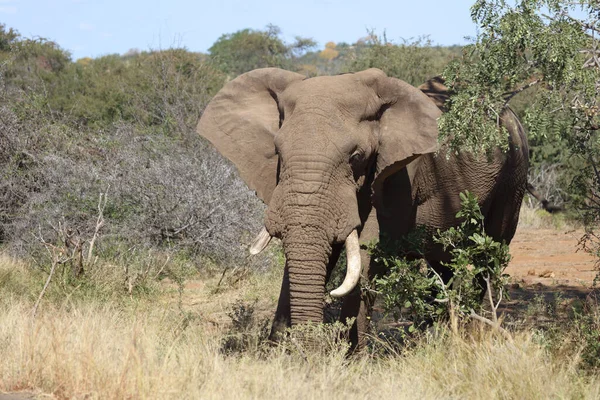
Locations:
(435, 180)
(426, 194)
(352, 156)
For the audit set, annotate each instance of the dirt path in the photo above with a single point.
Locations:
(17, 396)
(547, 263)
(550, 257)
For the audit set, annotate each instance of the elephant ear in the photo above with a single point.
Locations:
(407, 128)
(241, 122)
(437, 91)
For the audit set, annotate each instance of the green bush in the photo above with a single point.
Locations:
(411, 289)
(248, 49)
(414, 61)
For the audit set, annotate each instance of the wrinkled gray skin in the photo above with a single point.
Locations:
(330, 155)
(426, 193)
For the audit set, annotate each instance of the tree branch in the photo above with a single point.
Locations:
(55, 257)
(485, 320)
(99, 225)
(495, 323)
(595, 169)
(508, 96)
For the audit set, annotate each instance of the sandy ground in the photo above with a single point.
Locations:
(548, 263)
(16, 396)
(551, 258)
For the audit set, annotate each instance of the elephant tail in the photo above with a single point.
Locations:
(546, 205)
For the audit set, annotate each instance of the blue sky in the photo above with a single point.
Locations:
(91, 28)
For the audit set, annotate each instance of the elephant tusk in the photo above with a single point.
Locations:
(353, 267)
(260, 242)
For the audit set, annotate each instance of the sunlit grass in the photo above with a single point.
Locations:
(537, 218)
(163, 348)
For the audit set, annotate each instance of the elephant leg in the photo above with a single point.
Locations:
(356, 307)
(282, 319)
(502, 216)
(359, 304)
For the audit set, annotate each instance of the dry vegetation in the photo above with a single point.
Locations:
(167, 304)
(169, 343)
(536, 218)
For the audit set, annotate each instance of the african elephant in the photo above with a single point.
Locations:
(340, 160)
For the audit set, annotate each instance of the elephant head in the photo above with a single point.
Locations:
(315, 150)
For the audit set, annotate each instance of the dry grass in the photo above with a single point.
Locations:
(537, 218)
(164, 348)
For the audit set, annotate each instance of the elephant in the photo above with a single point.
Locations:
(339, 161)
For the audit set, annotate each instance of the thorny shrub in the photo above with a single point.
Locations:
(245, 333)
(123, 128)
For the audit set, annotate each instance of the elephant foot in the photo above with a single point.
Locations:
(278, 330)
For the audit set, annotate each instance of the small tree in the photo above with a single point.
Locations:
(536, 43)
(248, 49)
(414, 290)
(550, 48)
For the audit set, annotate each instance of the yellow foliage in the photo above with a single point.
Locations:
(85, 61)
(329, 54)
(308, 70)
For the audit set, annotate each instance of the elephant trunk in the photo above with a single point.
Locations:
(307, 254)
(310, 215)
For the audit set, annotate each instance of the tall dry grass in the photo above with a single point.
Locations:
(537, 218)
(153, 350)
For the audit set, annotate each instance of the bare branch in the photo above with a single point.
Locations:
(508, 96)
(163, 267)
(58, 256)
(442, 285)
(497, 327)
(499, 299)
(39, 299)
(99, 224)
(595, 169)
(495, 323)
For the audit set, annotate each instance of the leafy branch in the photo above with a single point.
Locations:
(412, 289)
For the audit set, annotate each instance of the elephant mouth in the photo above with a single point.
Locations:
(353, 262)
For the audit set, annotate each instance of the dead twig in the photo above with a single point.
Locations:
(99, 224)
(163, 266)
(494, 322)
(58, 255)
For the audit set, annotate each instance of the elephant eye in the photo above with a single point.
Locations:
(356, 157)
